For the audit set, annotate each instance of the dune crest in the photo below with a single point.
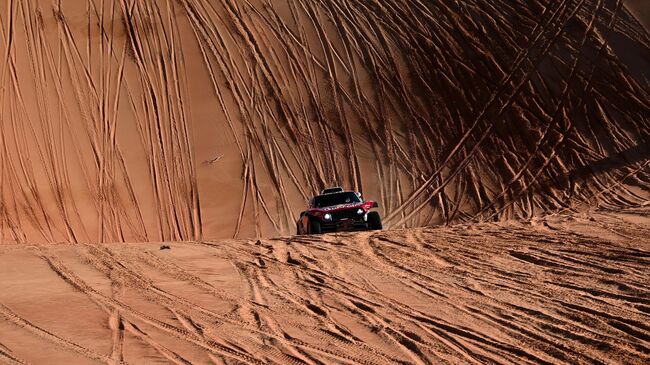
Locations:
(563, 289)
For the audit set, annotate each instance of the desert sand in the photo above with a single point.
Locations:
(154, 155)
(641, 9)
(141, 120)
(570, 288)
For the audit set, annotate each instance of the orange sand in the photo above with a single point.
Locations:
(561, 289)
(179, 120)
(521, 127)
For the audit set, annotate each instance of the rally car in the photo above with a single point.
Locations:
(338, 210)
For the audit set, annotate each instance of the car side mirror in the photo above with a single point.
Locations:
(375, 205)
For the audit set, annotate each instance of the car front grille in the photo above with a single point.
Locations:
(344, 214)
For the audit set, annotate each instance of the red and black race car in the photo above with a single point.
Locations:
(338, 210)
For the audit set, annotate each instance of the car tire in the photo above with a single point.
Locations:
(314, 227)
(374, 221)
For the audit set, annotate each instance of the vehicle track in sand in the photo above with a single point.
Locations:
(569, 288)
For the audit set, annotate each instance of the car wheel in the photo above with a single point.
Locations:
(374, 221)
(314, 227)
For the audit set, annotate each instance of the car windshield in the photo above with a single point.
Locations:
(329, 200)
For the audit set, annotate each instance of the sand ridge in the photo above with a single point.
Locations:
(560, 289)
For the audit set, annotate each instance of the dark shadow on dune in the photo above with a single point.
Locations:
(632, 53)
(568, 181)
(638, 153)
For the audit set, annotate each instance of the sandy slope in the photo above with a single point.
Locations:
(196, 120)
(641, 9)
(149, 120)
(563, 289)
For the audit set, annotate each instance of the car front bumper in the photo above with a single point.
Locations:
(344, 225)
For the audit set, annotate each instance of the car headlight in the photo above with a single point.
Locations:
(327, 217)
(360, 211)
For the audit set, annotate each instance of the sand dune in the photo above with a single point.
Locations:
(154, 156)
(141, 120)
(641, 9)
(561, 289)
